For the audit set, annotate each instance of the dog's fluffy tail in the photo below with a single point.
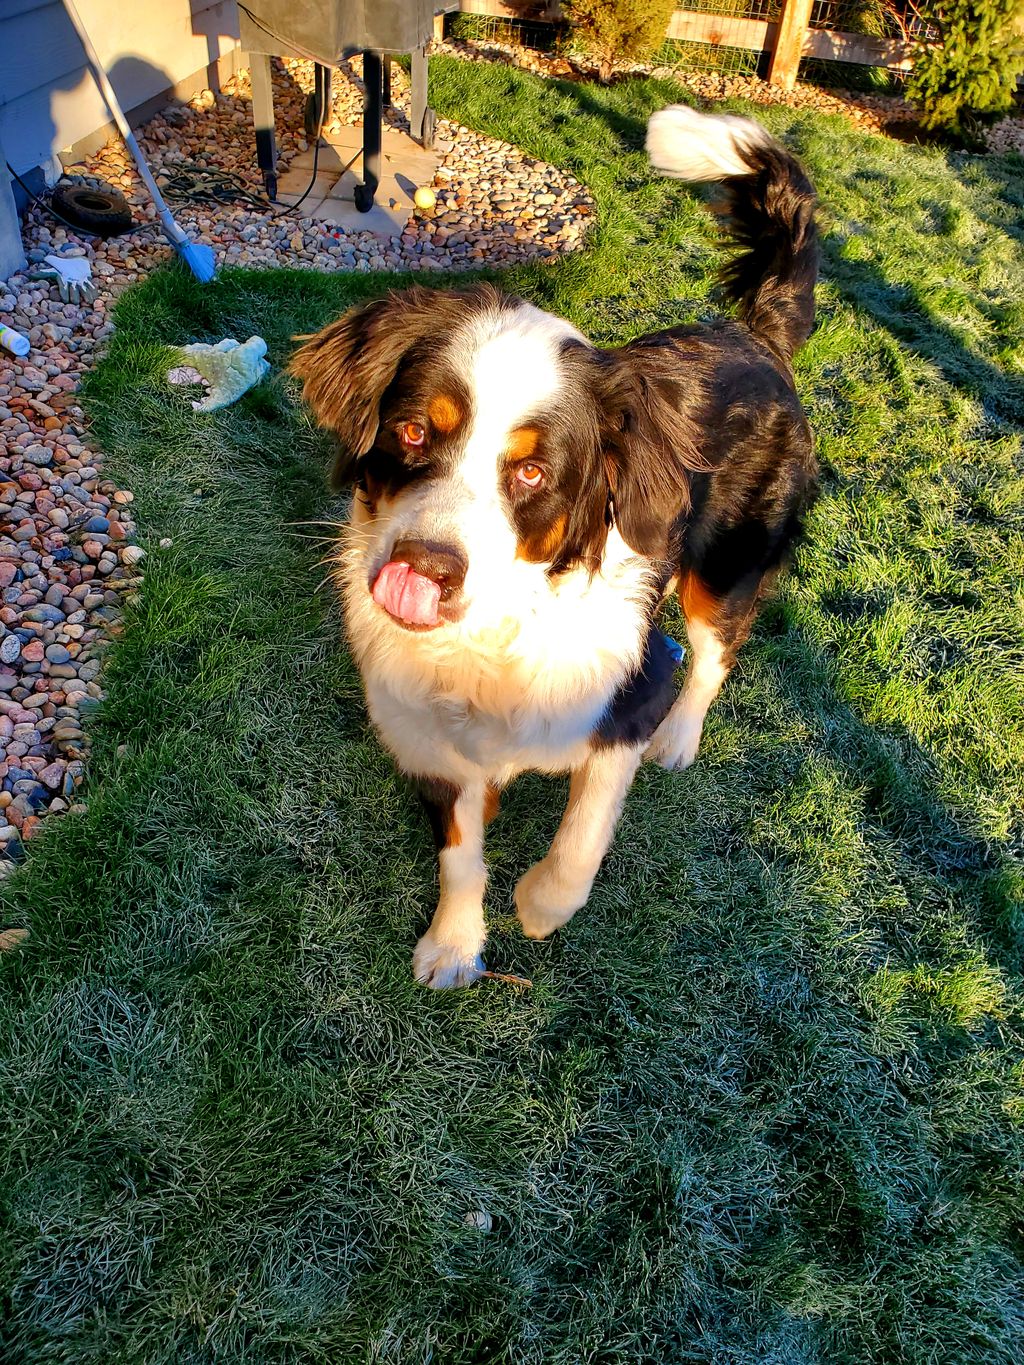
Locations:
(769, 208)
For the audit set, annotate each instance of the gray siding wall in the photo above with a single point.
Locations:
(48, 99)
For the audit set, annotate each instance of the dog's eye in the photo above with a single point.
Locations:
(412, 433)
(530, 474)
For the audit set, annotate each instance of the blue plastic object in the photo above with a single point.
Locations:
(674, 648)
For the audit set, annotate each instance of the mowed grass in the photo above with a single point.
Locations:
(764, 1101)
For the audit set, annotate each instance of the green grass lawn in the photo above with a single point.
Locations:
(765, 1100)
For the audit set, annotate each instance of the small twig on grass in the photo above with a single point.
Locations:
(509, 977)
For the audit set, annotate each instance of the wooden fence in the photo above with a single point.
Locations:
(786, 40)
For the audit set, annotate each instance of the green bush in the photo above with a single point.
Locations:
(619, 29)
(966, 67)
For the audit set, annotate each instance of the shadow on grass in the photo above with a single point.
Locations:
(907, 314)
(1002, 180)
(896, 781)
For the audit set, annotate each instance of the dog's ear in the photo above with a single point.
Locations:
(346, 368)
(650, 449)
(576, 429)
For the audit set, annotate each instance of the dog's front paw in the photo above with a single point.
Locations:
(443, 966)
(546, 901)
(674, 744)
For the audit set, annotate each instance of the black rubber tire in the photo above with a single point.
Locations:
(104, 213)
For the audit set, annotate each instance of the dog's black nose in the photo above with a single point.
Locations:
(445, 564)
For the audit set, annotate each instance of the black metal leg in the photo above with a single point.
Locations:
(373, 86)
(323, 91)
(318, 104)
(421, 119)
(263, 120)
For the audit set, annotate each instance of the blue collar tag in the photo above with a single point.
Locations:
(674, 648)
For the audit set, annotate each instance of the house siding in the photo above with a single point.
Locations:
(49, 101)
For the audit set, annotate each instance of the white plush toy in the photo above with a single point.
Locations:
(228, 369)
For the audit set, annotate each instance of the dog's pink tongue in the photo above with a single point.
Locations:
(407, 594)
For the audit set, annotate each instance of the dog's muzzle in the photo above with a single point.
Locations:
(420, 583)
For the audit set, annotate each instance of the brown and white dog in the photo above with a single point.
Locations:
(525, 501)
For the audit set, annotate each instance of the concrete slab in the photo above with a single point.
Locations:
(385, 222)
(331, 161)
(391, 140)
(294, 182)
(405, 165)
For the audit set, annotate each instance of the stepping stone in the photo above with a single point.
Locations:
(405, 165)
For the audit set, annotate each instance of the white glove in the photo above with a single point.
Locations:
(71, 274)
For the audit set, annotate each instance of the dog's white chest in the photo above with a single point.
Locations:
(457, 738)
(524, 690)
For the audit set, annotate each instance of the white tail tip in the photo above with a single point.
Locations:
(691, 146)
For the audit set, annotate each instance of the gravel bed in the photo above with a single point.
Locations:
(494, 204)
(66, 557)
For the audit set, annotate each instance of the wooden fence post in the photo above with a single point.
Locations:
(789, 42)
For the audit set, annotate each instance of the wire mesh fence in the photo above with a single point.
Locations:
(675, 52)
(728, 47)
(874, 18)
(683, 54)
(712, 57)
(725, 51)
(879, 18)
(486, 28)
(871, 80)
(734, 9)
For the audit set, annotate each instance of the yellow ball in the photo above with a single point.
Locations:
(424, 198)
